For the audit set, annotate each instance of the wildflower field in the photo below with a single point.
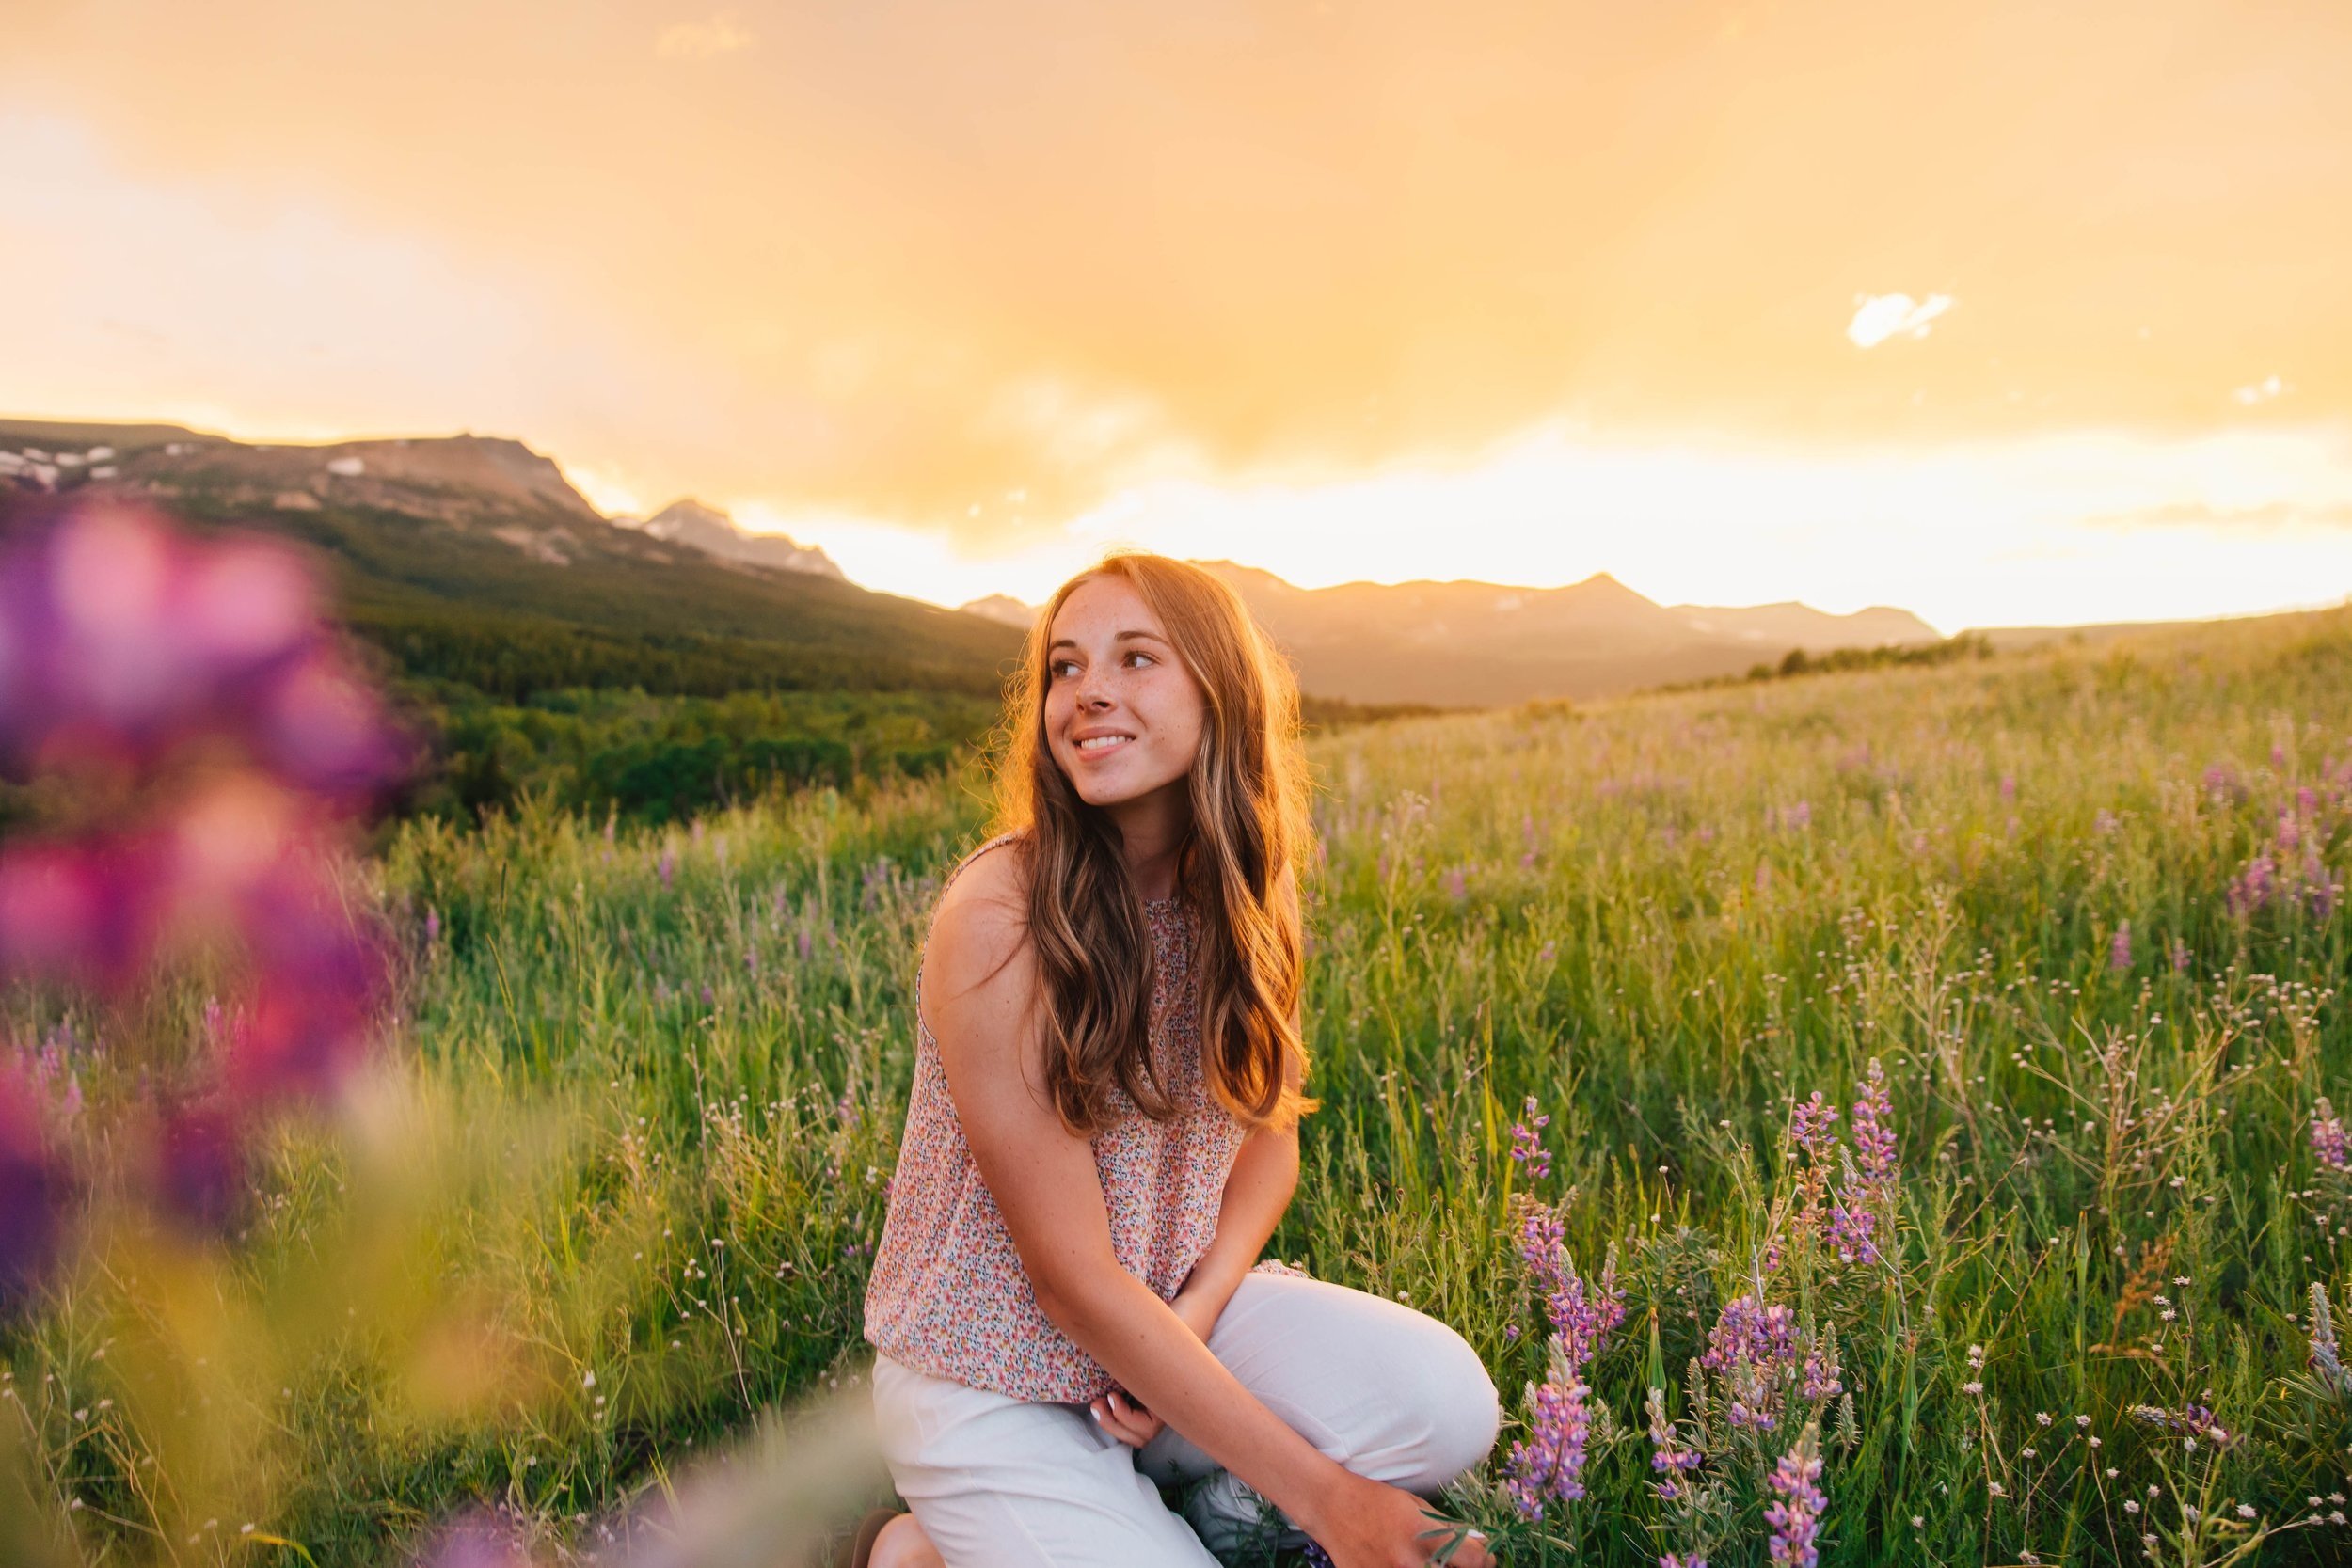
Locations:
(1876, 1117)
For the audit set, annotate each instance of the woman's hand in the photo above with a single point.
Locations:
(1370, 1525)
(1118, 1414)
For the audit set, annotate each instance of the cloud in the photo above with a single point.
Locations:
(1882, 316)
(2260, 391)
(2270, 518)
(914, 260)
(702, 40)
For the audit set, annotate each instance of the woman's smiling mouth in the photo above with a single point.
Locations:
(1094, 744)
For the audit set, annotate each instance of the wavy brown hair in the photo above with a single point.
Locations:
(1250, 831)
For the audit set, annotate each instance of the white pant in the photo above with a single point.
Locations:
(1000, 1483)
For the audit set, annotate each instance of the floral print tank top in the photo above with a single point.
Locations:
(948, 1296)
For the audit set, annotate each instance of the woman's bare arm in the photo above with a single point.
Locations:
(1257, 1192)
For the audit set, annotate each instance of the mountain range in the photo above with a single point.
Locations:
(1475, 644)
(489, 524)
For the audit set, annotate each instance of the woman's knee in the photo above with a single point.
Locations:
(1463, 1411)
(1445, 1412)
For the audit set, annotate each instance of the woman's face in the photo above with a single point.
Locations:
(1124, 716)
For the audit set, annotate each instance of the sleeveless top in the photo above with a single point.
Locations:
(948, 1295)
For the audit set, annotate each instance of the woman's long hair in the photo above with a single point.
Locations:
(1248, 789)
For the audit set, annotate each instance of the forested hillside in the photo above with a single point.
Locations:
(534, 646)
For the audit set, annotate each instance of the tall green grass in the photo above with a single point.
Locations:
(1666, 920)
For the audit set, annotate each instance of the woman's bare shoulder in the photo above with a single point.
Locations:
(979, 934)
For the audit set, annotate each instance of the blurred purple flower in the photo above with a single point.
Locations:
(1457, 883)
(200, 1177)
(89, 913)
(666, 866)
(475, 1541)
(2008, 789)
(2327, 1137)
(120, 640)
(2120, 947)
(33, 1190)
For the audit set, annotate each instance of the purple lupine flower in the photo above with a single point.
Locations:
(1822, 1370)
(1457, 883)
(1526, 1143)
(1585, 1315)
(1752, 1346)
(1747, 1333)
(666, 867)
(1851, 1232)
(2180, 955)
(805, 945)
(1548, 1466)
(709, 998)
(1795, 1518)
(1314, 1554)
(1809, 1126)
(2327, 1137)
(432, 926)
(1676, 1560)
(1874, 1145)
(1668, 1456)
(2008, 789)
(2120, 947)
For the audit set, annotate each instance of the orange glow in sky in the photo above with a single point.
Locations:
(2003, 314)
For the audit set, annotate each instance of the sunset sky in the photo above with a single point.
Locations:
(2003, 314)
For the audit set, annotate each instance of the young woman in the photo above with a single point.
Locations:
(1067, 1307)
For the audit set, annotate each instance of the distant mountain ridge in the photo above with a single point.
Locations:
(472, 557)
(507, 513)
(460, 480)
(1480, 643)
(706, 528)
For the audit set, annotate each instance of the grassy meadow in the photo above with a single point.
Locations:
(2079, 904)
